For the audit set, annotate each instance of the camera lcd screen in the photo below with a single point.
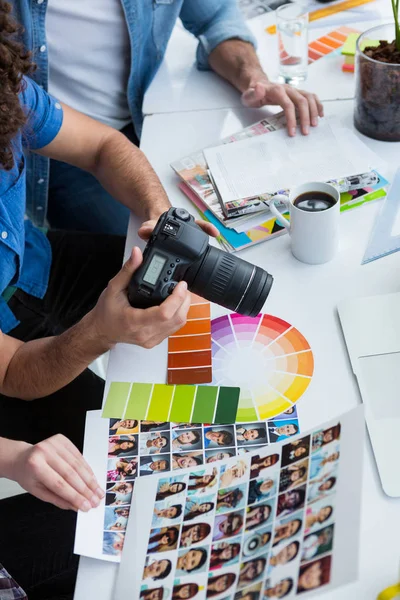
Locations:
(154, 269)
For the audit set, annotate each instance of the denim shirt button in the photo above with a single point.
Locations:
(40, 181)
(4, 235)
(58, 105)
(40, 1)
(42, 48)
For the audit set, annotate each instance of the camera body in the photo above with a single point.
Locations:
(179, 250)
(175, 245)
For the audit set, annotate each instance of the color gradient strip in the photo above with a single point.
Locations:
(178, 403)
(189, 349)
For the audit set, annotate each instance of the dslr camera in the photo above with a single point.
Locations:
(179, 250)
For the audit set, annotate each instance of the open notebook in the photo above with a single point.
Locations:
(371, 327)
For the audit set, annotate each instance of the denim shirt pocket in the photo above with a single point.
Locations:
(165, 15)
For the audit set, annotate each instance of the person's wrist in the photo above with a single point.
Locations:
(250, 76)
(11, 455)
(96, 333)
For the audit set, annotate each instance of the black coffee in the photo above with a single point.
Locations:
(314, 201)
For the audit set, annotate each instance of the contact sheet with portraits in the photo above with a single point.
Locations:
(271, 523)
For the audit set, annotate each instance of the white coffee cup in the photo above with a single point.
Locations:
(314, 232)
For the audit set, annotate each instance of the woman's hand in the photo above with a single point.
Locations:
(55, 471)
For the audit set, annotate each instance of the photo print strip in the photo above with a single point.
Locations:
(161, 402)
(189, 349)
(276, 544)
(128, 449)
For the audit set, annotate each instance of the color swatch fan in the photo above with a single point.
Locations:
(269, 359)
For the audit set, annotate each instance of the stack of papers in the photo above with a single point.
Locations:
(231, 184)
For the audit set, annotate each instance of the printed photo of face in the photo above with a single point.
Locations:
(187, 439)
(119, 493)
(195, 533)
(122, 445)
(116, 518)
(203, 482)
(251, 571)
(217, 455)
(170, 487)
(184, 460)
(257, 515)
(285, 555)
(157, 569)
(261, 489)
(154, 443)
(122, 469)
(282, 589)
(280, 430)
(295, 451)
(319, 514)
(287, 529)
(293, 475)
(259, 464)
(219, 436)
(198, 507)
(234, 497)
(251, 433)
(291, 501)
(225, 554)
(228, 525)
(146, 426)
(166, 512)
(113, 543)
(218, 584)
(119, 426)
(314, 575)
(317, 543)
(163, 539)
(190, 561)
(152, 594)
(185, 591)
(233, 474)
(154, 464)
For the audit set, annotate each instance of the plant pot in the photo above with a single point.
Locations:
(377, 100)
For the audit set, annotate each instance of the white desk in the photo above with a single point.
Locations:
(179, 86)
(306, 296)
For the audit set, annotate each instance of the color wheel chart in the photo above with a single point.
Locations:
(269, 359)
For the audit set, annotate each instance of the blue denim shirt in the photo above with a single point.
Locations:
(150, 24)
(25, 253)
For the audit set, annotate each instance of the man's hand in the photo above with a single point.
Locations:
(56, 472)
(114, 320)
(263, 92)
(146, 229)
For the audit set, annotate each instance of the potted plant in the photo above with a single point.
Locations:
(377, 101)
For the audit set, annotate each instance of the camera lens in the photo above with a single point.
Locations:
(230, 281)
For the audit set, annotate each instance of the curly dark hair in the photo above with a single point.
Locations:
(15, 62)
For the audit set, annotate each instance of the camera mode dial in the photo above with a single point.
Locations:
(182, 214)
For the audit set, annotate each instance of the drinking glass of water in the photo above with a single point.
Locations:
(292, 32)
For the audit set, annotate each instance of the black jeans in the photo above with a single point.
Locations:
(36, 539)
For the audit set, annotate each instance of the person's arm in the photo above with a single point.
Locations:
(227, 46)
(39, 368)
(121, 167)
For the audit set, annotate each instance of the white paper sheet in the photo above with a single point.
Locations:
(274, 161)
(327, 549)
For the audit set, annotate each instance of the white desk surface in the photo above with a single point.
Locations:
(179, 86)
(307, 296)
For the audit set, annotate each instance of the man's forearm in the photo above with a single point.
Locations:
(237, 62)
(126, 174)
(42, 367)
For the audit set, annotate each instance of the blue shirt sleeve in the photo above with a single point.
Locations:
(44, 116)
(213, 22)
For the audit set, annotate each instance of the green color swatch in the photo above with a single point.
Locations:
(228, 400)
(160, 402)
(138, 401)
(204, 407)
(116, 399)
(178, 403)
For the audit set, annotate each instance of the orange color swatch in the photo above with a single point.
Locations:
(189, 349)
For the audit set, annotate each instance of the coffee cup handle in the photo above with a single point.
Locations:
(275, 211)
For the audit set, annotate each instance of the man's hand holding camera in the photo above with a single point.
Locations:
(115, 320)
